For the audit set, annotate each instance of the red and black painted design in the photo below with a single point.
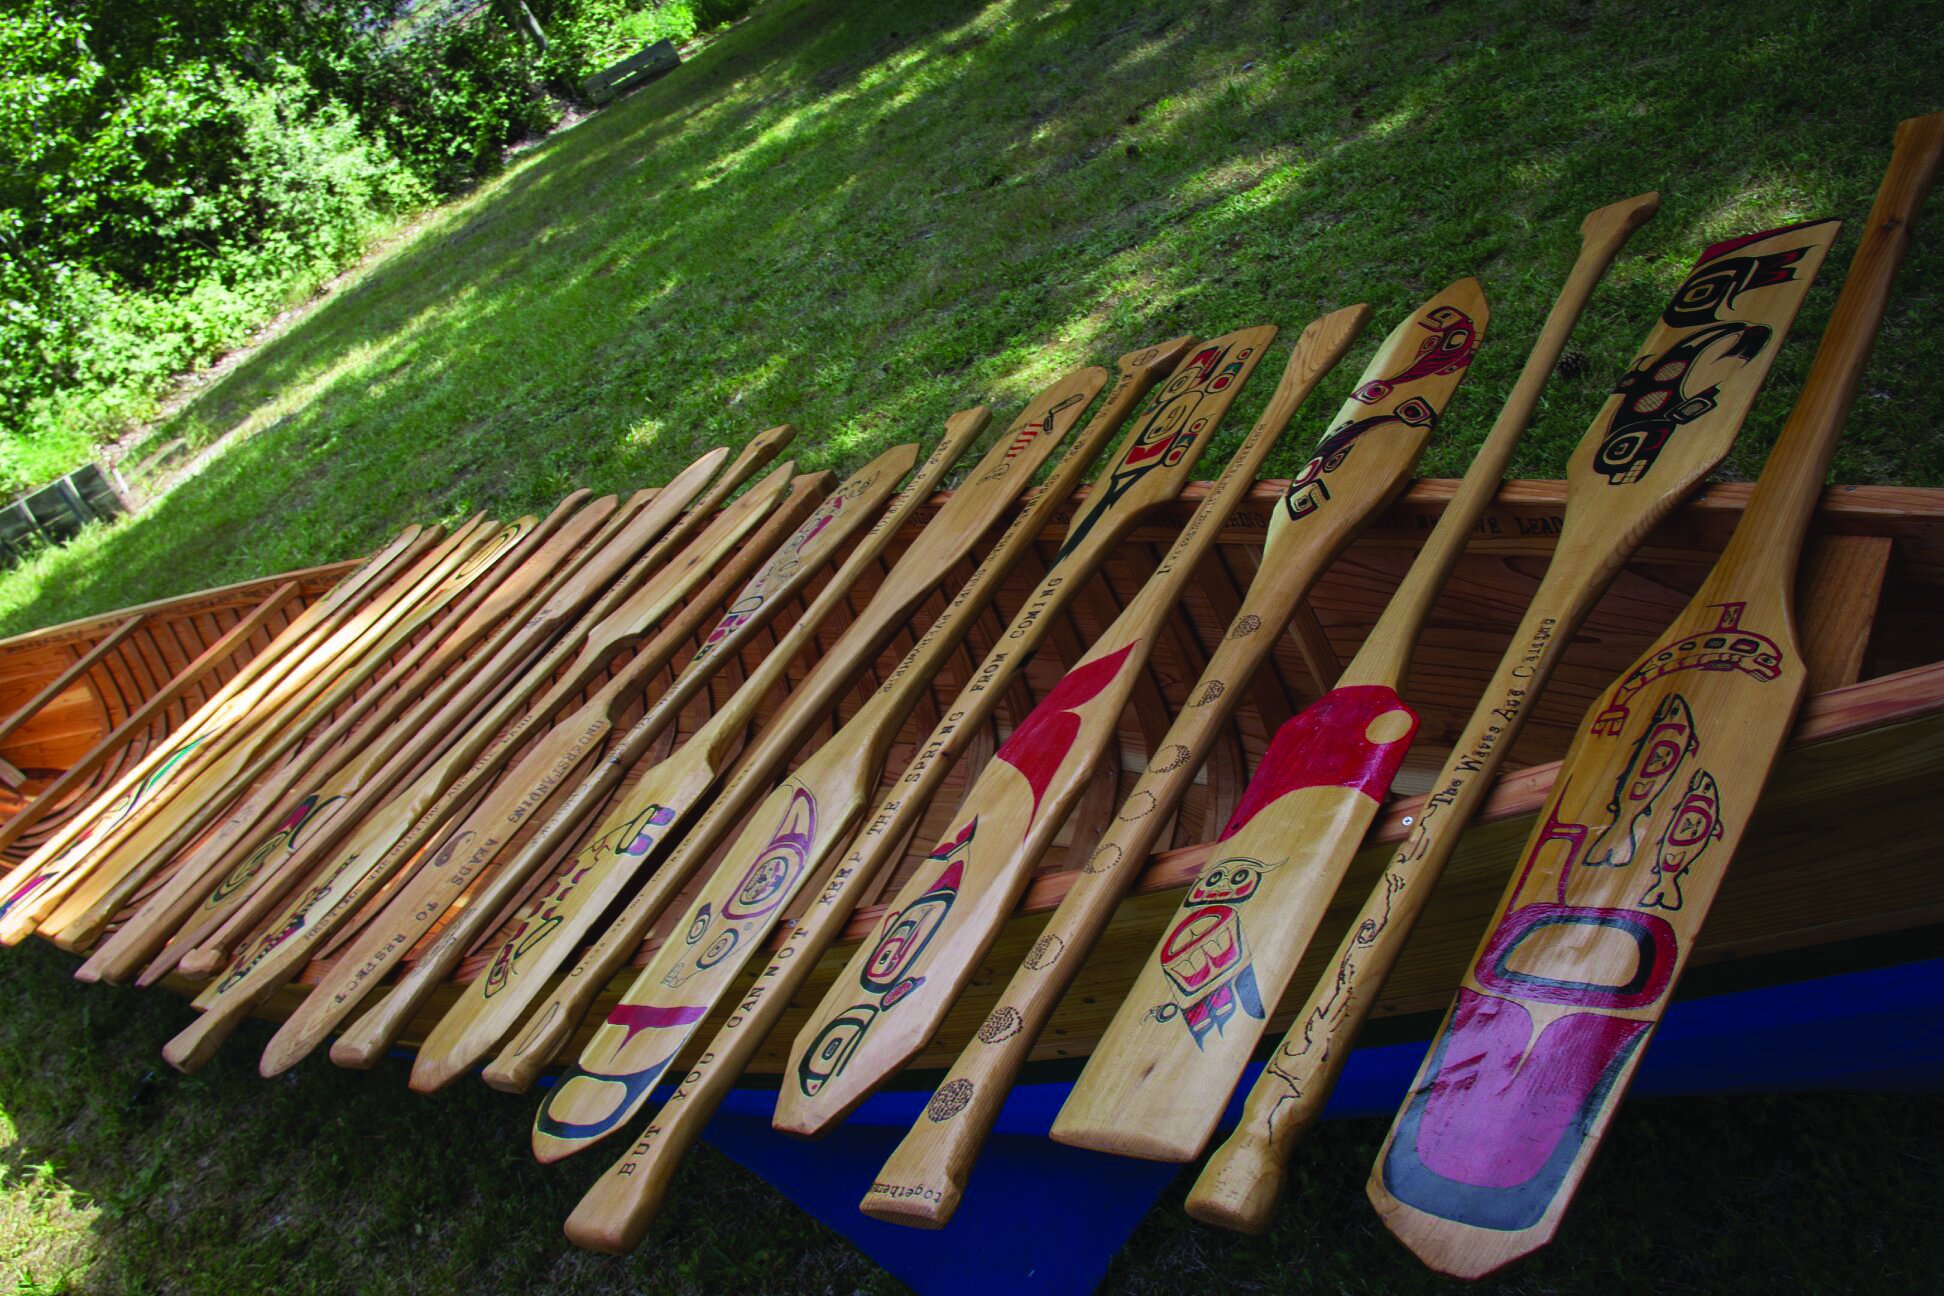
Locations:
(889, 974)
(1205, 955)
(1725, 646)
(1450, 347)
(1657, 758)
(1043, 739)
(1696, 822)
(1172, 426)
(1654, 400)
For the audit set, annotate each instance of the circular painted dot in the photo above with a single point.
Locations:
(1389, 727)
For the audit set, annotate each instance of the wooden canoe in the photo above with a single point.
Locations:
(1841, 847)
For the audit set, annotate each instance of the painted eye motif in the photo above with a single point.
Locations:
(1650, 402)
(1670, 370)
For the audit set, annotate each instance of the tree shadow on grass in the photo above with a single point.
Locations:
(859, 218)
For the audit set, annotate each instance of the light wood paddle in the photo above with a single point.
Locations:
(288, 804)
(789, 842)
(1714, 343)
(250, 716)
(547, 766)
(206, 892)
(1553, 1015)
(482, 1017)
(137, 722)
(814, 544)
(400, 808)
(890, 998)
(392, 838)
(222, 790)
(314, 626)
(678, 786)
(924, 1179)
(678, 530)
(1162, 1073)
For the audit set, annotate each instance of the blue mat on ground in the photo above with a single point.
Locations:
(1877, 1030)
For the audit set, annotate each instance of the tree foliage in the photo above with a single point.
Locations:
(172, 174)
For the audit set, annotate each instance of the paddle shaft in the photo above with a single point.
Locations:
(902, 981)
(1647, 811)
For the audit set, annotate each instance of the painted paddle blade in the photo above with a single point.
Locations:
(1608, 514)
(787, 838)
(904, 978)
(491, 1005)
(923, 1181)
(821, 804)
(615, 1213)
(1552, 1016)
(546, 767)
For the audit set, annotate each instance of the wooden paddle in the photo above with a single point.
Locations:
(287, 805)
(227, 788)
(678, 531)
(677, 786)
(891, 997)
(1197, 1005)
(923, 1181)
(817, 809)
(204, 893)
(75, 777)
(483, 1015)
(547, 766)
(813, 545)
(390, 839)
(1609, 513)
(401, 807)
(1650, 802)
(276, 699)
(301, 637)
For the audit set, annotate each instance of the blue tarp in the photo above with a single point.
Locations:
(1876, 1030)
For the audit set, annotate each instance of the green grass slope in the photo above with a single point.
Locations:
(860, 217)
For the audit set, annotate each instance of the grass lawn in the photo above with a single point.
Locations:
(858, 218)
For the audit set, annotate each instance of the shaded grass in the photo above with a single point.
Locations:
(327, 1180)
(859, 218)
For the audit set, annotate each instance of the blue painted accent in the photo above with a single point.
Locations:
(1017, 1230)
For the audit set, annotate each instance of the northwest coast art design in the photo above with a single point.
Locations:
(1205, 955)
(769, 880)
(1657, 757)
(288, 838)
(1453, 341)
(1489, 1068)
(1656, 403)
(1722, 647)
(635, 837)
(1451, 349)
(887, 977)
(1172, 427)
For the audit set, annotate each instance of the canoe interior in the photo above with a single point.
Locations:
(172, 633)
(1838, 851)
